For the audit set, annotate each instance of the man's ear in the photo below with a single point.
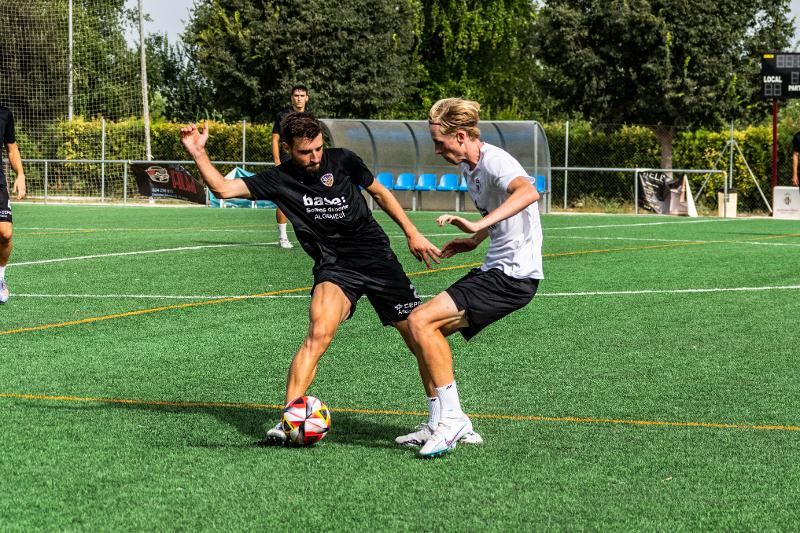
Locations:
(285, 147)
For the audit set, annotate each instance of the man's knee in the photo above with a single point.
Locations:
(320, 337)
(5, 234)
(418, 321)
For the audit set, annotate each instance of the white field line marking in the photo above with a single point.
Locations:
(704, 221)
(269, 227)
(541, 294)
(673, 291)
(196, 230)
(140, 252)
(672, 240)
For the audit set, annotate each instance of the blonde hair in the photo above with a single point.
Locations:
(452, 114)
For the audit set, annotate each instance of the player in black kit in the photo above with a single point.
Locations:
(8, 138)
(318, 189)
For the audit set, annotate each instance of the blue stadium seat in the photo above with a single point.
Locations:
(426, 182)
(462, 186)
(405, 182)
(448, 182)
(386, 179)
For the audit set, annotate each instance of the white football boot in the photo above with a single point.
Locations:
(276, 436)
(423, 432)
(285, 244)
(446, 436)
(3, 291)
(418, 437)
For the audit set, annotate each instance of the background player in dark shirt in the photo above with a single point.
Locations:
(318, 189)
(299, 100)
(8, 138)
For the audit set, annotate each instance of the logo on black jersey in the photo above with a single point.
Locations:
(327, 179)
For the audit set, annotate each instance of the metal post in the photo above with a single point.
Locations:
(566, 163)
(145, 102)
(244, 144)
(636, 192)
(103, 160)
(45, 181)
(536, 162)
(774, 145)
(125, 182)
(70, 106)
(730, 178)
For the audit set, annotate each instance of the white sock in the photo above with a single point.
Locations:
(282, 231)
(451, 405)
(2, 272)
(434, 412)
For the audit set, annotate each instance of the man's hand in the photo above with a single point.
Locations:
(795, 181)
(423, 249)
(19, 186)
(458, 246)
(193, 139)
(461, 223)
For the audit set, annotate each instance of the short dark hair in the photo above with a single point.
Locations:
(299, 88)
(299, 125)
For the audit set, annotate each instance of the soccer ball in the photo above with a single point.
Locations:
(306, 420)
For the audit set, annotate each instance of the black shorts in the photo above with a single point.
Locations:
(386, 285)
(5, 201)
(488, 296)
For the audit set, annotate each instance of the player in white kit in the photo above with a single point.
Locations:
(506, 281)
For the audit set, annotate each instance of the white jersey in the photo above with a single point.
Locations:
(516, 242)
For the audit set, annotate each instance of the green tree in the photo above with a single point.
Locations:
(664, 63)
(354, 55)
(480, 49)
(177, 89)
(106, 69)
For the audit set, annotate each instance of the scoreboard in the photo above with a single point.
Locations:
(780, 75)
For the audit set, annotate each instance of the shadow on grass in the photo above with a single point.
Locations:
(348, 429)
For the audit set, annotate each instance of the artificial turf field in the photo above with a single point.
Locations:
(652, 384)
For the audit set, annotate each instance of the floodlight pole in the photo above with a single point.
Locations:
(145, 103)
(70, 106)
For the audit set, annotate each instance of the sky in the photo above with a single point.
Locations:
(170, 16)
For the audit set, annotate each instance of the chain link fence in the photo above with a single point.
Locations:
(594, 165)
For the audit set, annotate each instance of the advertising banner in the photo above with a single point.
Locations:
(168, 181)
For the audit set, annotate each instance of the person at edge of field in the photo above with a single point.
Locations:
(8, 137)
(318, 189)
(506, 281)
(299, 99)
(795, 157)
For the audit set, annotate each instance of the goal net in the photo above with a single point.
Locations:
(72, 81)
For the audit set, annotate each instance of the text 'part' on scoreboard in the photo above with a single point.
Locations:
(780, 75)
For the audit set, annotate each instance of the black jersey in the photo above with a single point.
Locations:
(330, 216)
(7, 132)
(796, 142)
(276, 128)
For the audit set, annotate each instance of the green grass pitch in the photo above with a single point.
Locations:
(651, 385)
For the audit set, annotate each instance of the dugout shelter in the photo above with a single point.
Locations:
(395, 148)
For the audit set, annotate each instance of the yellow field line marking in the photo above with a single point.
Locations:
(515, 418)
(147, 311)
(285, 291)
